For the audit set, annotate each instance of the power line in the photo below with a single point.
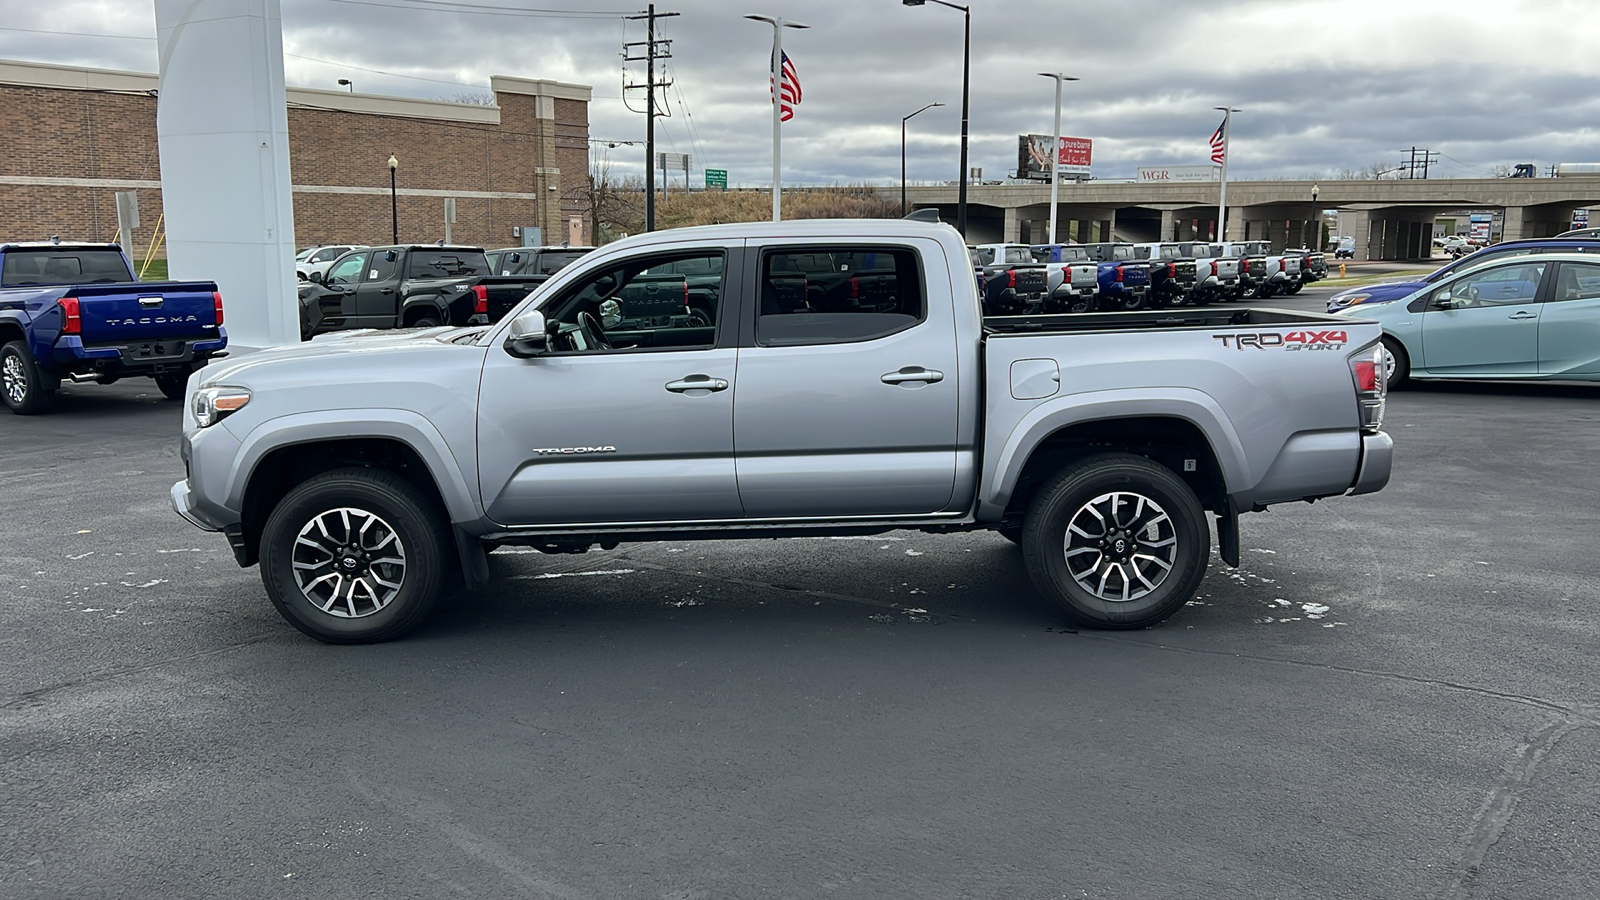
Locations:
(124, 37)
(472, 9)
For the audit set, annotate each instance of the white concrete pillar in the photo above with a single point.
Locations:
(222, 127)
(1514, 224)
(1167, 232)
(1012, 229)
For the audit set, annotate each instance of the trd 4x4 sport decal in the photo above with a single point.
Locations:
(1294, 340)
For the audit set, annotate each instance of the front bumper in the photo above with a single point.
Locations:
(1377, 456)
(183, 505)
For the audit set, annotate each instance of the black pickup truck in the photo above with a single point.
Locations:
(1010, 281)
(409, 287)
(534, 260)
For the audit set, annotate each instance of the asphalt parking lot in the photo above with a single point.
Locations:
(1394, 696)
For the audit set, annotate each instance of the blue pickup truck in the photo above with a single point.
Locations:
(71, 311)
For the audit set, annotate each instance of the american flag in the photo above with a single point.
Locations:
(790, 96)
(1218, 142)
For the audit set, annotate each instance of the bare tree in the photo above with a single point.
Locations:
(615, 206)
(470, 98)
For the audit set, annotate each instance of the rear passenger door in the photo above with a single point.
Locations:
(1569, 326)
(847, 401)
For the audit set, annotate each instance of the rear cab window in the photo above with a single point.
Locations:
(64, 266)
(838, 294)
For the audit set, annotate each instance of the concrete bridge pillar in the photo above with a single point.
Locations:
(1357, 223)
(1012, 231)
(1168, 233)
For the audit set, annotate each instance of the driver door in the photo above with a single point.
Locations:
(342, 283)
(1491, 326)
(634, 427)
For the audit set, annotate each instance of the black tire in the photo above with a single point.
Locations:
(22, 386)
(402, 513)
(1295, 288)
(1132, 303)
(1400, 374)
(1088, 483)
(172, 384)
(1080, 304)
(426, 320)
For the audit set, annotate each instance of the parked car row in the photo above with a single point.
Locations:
(1019, 279)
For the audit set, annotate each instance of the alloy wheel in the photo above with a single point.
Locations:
(15, 379)
(1120, 546)
(349, 562)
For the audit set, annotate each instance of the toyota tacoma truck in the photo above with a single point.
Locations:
(409, 287)
(368, 473)
(1009, 281)
(75, 312)
(1072, 282)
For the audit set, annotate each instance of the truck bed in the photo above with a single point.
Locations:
(1154, 320)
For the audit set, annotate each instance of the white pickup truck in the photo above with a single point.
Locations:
(366, 473)
(1283, 269)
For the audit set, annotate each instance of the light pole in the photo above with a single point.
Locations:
(345, 82)
(1055, 151)
(778, 25)
(966, 80)
(394, 203)
(1316, 220)
(903, 121)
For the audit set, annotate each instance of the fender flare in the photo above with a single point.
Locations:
(1190, 405)
(404, 426)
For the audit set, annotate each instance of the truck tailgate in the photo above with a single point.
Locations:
(123, 313)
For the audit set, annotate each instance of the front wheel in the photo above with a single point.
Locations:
(1116, 541)
(355, 556)
(172, 384)
(22, 385)
(1396, 363)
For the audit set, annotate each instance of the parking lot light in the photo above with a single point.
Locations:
(966, 81)
(394, 203)
(1055, 152)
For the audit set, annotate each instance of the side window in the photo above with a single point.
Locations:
(1577, 281)
(1499, 286)
(382, 267)
(647, 303)
(349, 269)
(985, 256)
(327, 254)
(866, 293)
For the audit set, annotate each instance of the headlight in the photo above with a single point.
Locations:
(213, 404)
(1348, 299)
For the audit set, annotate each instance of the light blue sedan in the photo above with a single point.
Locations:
(1526, 317)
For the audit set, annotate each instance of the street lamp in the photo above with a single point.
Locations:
(345, 82)
(394, 203)
(966, 80)
(1316, 220)
(778, 25)
(1055, 151)
(903, 121)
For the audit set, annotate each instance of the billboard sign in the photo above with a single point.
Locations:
(1178, 174)
(1033, 156)
(1481, 226)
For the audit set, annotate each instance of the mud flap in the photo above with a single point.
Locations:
(1228, 534)
(474, 561)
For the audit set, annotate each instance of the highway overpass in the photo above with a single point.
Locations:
(1389, 218)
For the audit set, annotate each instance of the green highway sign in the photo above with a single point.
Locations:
(717, 178)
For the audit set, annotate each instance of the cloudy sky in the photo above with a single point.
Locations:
(1324, 85)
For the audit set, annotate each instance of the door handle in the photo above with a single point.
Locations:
(386, 291)
(913, 374)
(692, 383)
(1523, 315)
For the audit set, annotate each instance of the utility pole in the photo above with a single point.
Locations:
(651, 54)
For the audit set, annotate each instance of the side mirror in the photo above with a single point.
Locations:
(1443, 301)
(391, 256)
(528, 336)
(318, 277)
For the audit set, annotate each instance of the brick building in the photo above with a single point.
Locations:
(76, 136)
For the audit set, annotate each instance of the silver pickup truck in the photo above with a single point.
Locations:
(368, 472)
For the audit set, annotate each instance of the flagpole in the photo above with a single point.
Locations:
(778, 25)
(1222, 201)
(777, 129)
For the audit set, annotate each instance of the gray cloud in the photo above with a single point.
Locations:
(1325, 85)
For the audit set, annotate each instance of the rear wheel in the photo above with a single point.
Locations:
(355, 556)
(1295, 288)
(172, 384)
(1078, 303)
(22, 385)
(1116, 541)
(1396, 363)
(425, 321)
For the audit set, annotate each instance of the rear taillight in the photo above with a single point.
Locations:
(1372, 386)
(1172, 270)
(686, 293)
(1119, 273)
(71, 321)
(482, 293)
(1283, 264)
(1011, 278)
(216, 304)
(1213, 267)
(855, 289)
